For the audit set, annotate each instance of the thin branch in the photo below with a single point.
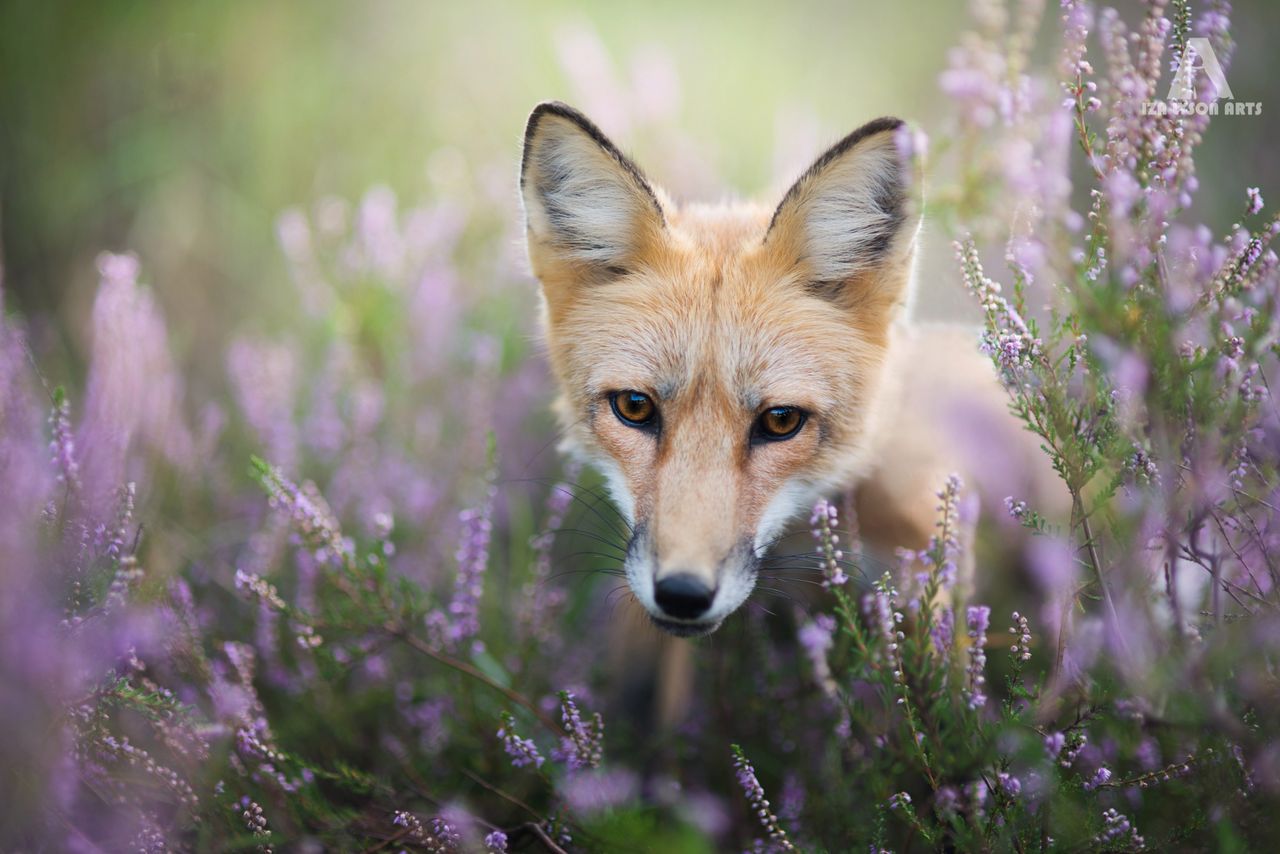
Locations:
(462, 667)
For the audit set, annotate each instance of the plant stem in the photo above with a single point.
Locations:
(462, 667)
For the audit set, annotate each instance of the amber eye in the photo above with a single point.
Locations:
(633, 408)
(781, 422)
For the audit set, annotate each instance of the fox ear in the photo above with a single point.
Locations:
(849, 224)
(586, 205)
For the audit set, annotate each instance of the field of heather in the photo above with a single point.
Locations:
(290, 559)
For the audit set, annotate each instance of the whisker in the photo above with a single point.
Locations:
(573, 490)
(587, 571)
(775, 591)
(623, 533)
(603, 498)
(763, 608)
(594, 536)
(785, 580)
(624, 588)
(588, 552)
(844, 563)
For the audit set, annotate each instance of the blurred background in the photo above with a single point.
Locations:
(325, 269)
(181, 131)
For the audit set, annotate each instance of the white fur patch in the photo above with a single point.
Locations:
(785, 505)
(618, 488)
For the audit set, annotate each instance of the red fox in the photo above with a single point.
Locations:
(725, 366)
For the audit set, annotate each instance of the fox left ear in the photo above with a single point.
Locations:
(849, 224)
(588, 209)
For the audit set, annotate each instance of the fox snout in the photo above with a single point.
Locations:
(683, 596)
(688, 598)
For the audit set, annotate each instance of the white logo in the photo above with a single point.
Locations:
(1197, 87)
(1198, 56)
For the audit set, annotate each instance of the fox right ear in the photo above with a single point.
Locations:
(587, 207)
(850, 222)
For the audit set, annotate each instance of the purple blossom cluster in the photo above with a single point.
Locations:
(583, 745)
(823, 523)
(1118, 831)
(252, 816)
(461, 623)
(1021, 630)
(62, 446)
(437, 836)
(541, 600)
(523, 751)
(754, 792)
(977, 621)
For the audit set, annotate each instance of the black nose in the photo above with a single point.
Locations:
(683, 596)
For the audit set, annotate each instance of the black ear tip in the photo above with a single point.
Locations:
(886, 123)
(561, 110)
(557, 109)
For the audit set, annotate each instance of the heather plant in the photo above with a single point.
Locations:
(1137, 348)
(358, 607)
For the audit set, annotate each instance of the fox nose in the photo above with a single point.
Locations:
(683, 596)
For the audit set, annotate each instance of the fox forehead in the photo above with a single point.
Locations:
(713, 309)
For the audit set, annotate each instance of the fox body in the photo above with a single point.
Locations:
(725, 366)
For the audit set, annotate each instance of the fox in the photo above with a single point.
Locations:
(726, 365)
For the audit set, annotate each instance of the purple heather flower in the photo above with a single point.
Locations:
(1118, 832)
(584, 745)
(1255, 201)
(912, 144)
(541, 600)
(441, 833)
(311, 517)
(952, 511)
(1021, 629)
(947, 801)
(133, 396)
(1016, 509)
(942, 632)
(816, 636)
(462, 623)
(1100, 778)
(1007, 338)
(255, 821)
(523, 751)
(1053, 744)
(977, 618)
(496, 842)
(791, 801)
(1009, 784)
(62, 445)
(824, 521)
(754, 792)
(1147, 754)
(118, 537)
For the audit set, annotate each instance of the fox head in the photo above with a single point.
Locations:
(718, 364)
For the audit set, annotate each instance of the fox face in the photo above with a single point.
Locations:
(720, 365)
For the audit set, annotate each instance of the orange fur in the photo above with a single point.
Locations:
(719, 313)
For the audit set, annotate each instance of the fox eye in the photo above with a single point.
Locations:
(633, 408)
(779, 423)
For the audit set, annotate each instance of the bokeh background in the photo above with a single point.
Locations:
(181, 131)
(320, 202)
